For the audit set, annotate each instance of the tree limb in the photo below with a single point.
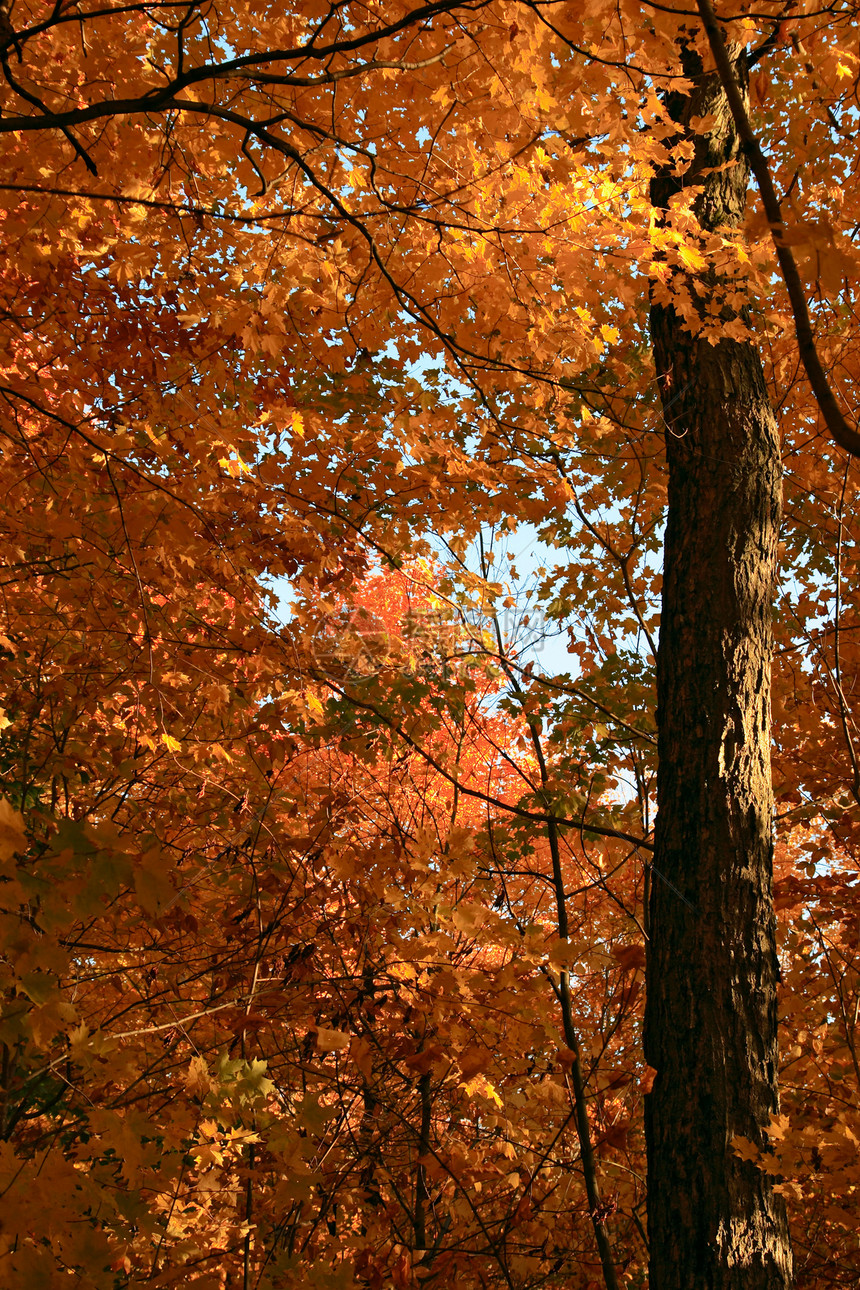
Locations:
(842, 433)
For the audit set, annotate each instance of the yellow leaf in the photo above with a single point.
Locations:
(691, 258)
(331, 1041)
(481, 1085)
(12, 836)
(173, 745)
(198, 1081)
(39, 987)
(744, 1148)
(560, 953)
(468, 918)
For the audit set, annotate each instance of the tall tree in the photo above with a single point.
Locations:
(711, 1013)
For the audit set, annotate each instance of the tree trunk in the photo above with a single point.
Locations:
(710, 1021)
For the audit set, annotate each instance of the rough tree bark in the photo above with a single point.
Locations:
(710, 1023)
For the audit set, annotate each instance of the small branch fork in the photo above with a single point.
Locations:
(841, 432)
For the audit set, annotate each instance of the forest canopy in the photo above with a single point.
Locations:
(414, 418)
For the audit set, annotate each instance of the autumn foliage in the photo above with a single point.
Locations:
(325, 393)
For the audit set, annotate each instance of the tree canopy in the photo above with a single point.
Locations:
(342, 350)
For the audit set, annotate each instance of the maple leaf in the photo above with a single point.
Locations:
(331, 1041)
